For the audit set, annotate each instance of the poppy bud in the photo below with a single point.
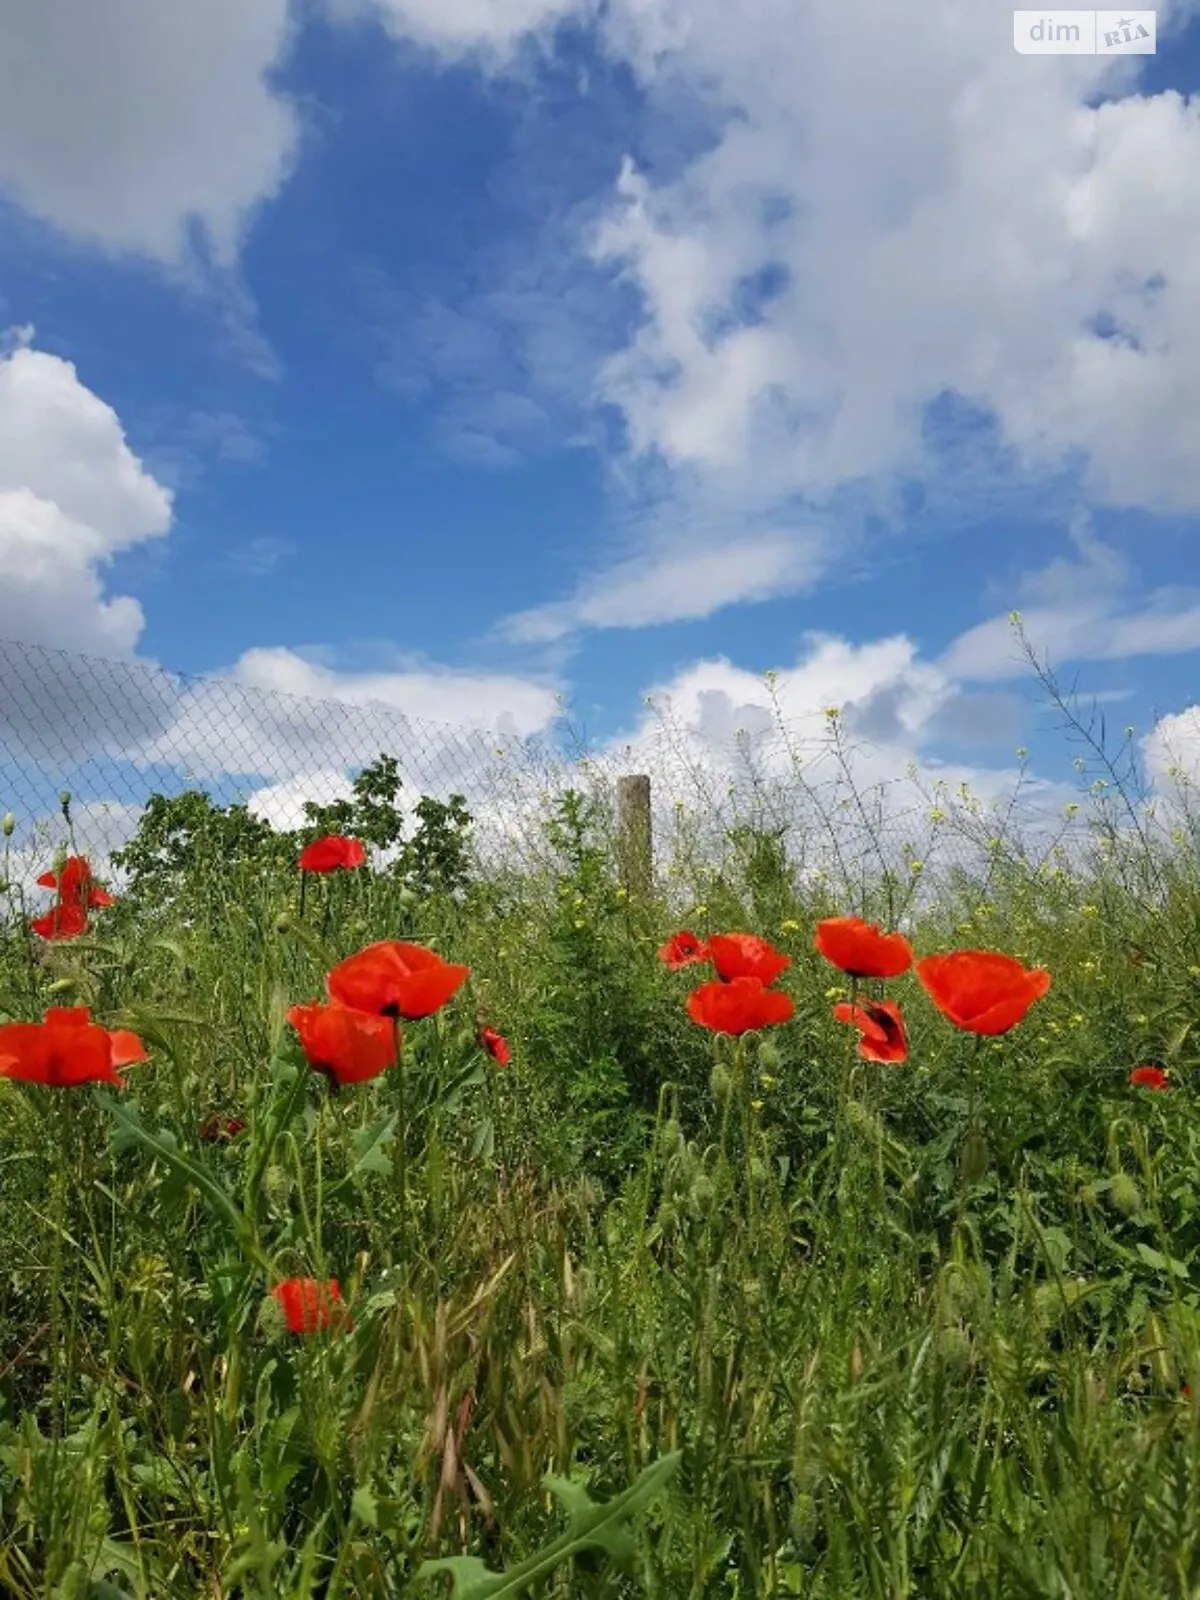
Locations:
(702, 1193)
(283, 923)
(406, 899)
(954, 1347)
(64, 800)
(1125, 1195)
(720, 1082)
(769, 1058)
(670, 1137)
(759, 1170)
(271, 1322)
(802, 1524)
(10, 823)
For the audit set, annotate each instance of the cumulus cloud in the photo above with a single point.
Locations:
(72, 495)
(486, 29)
(893, 207)
(128, 123)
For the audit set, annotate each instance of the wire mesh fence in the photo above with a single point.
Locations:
(113, 733)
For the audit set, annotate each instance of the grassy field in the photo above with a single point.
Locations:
(647, 1309)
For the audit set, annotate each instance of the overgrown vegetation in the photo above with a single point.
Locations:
(927, 1329)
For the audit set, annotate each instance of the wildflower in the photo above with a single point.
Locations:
(309, 1305)
(789, 926)
(330, 853)
(66, 1049)
(392, 978)
(1149, 1078)
(496, 1046)
(219, 1129)
(681, 949)
(61, 921)
(75, 884)
(745, 955)
(77, 894)
(881, 1026)
(346, 1044)
(981, 991)
(858, 947)
(738, 1006)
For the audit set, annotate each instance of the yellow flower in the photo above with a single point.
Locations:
(833, 713)
(1077, 1019)
(580, 923)
(937, 816)
(916, 866)
(767, 1081)
(788, 926)
(835, 993)
(756, 1105)
(1090, 911)
(1141, 1020)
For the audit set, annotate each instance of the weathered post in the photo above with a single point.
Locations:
(634, 847)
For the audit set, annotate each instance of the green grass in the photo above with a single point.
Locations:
(897, 1353)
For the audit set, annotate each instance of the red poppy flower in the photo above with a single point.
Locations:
(496, 1046)
(348, 1045)
(858, 947)
(64, 920)
(881, 1026)
(75, 884)
(218, 1129)
(681, 949)
(395, 979)
(330, 853)
(738, 1006)
(981, 991)
(1150, 1078)
(309, 1305)
(745, 955)
(66, 1049)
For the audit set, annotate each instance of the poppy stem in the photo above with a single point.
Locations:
(402, 1153)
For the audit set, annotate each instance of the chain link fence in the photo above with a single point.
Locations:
(112, 733)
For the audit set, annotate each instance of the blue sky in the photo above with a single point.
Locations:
(469, 355)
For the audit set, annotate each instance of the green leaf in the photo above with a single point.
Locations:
(1161, 1263)
(363, 1506)
(369, 1146)
(606, 1526)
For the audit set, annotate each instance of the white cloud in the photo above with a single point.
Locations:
(490, 29)
(72, 495)
(124, 123)
(1171, 752)
(282, 804)
(895, 206)
(473, 701)
(1167, 625)
(674, 585)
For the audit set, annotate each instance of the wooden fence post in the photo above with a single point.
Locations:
(634, 846)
